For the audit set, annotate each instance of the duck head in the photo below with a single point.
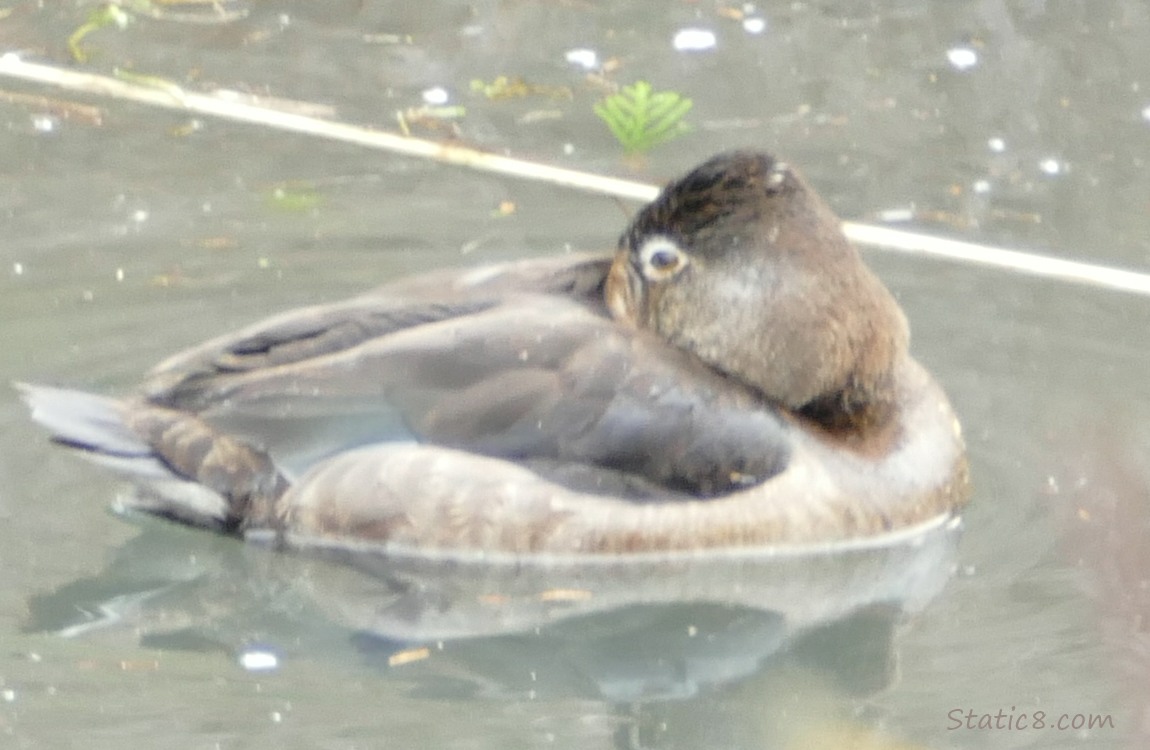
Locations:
(743, 265)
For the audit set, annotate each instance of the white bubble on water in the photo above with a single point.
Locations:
(694, 40)
(962, 58)
(259, 660)
(436, 96)
(588, 59)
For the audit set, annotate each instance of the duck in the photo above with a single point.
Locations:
(732, 376)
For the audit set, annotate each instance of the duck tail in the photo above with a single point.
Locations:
(185, 469)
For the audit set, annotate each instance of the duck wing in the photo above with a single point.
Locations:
(545, 380)
(314, 331)
(522, 363)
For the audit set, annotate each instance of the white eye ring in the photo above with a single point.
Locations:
(661, 259)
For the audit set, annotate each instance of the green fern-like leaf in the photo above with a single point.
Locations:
(641, 118)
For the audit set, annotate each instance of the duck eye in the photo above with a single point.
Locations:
(661, 259)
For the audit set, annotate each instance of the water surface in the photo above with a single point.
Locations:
(1024, 124)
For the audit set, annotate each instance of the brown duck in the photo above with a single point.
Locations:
(733, 377)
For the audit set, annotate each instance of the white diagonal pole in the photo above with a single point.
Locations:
(170, 96)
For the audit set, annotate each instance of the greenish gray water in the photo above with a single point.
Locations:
(1024, 124)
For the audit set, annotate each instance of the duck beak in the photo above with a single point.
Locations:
(624, 293)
